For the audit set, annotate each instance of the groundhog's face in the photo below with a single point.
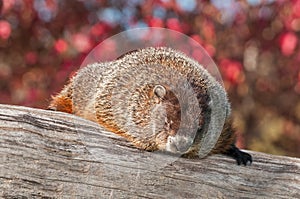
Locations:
(158, 112)
(154, 101)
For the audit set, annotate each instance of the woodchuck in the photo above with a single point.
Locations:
(158, 99)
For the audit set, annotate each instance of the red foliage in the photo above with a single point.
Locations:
(174, 24)
(232, 70)
(156, 22)
(5, 29)
(296, 8)
(81, 42)
(288, 43)
(31, 58)
(7, 5)
(61, 46)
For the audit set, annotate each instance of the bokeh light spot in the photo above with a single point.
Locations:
(61, 46)
(288, 43)
(5, 29)
(82, 42)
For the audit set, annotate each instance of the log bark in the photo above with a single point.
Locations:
(46, 154)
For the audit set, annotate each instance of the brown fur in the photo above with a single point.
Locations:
(61, 103)
(226, 139)
(145, 100)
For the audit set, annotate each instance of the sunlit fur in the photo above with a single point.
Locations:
(91, 94)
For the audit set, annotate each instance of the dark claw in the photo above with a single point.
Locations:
(239, 156)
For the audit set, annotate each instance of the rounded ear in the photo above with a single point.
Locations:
(159, 91)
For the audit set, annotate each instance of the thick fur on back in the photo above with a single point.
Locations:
(120, 96)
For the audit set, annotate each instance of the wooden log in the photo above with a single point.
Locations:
(46, 154)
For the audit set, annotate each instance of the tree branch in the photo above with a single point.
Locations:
(52, 154)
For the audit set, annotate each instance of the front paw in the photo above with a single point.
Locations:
(240, 156)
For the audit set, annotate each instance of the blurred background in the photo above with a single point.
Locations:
(255, 44)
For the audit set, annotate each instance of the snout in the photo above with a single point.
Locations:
(179, 144)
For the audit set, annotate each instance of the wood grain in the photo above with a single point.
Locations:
(46, 154)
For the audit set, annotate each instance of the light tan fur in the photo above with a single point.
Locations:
(102, 92)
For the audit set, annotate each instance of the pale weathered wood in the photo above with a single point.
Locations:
(58, 155)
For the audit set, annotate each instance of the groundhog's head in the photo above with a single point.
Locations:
(157, 111)
(157, 107)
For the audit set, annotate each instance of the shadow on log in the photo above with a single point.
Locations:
(57, 155)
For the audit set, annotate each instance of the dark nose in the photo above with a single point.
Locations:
(182, 144)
